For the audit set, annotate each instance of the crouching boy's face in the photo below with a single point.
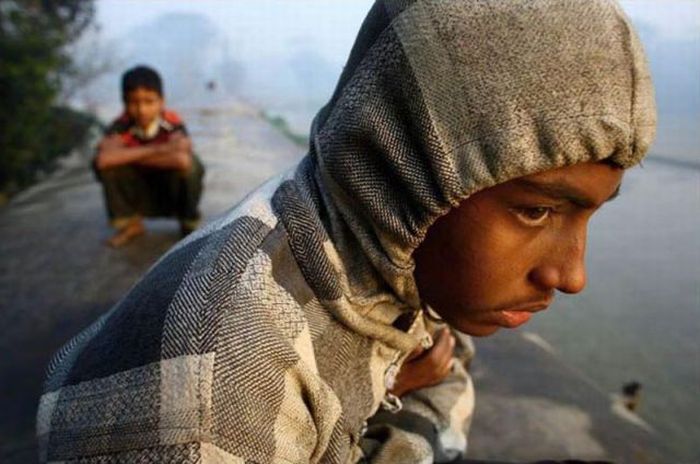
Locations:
(498, 257)
(143, 106)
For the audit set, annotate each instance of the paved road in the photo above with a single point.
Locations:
(56, 277)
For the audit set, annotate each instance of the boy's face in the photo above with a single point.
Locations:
(143, 106)
(500, 255)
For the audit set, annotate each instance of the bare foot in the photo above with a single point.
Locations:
(123, 236)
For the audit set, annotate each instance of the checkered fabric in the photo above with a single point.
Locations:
(267, 336)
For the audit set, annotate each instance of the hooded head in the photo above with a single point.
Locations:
(442, 99)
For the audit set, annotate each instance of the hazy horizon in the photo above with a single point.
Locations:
(285, 57)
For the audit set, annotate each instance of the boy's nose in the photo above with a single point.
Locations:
(573, 276)
(565, 270)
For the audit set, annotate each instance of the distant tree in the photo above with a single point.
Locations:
(91, 58)
(33, 39)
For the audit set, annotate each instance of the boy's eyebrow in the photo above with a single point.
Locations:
(560, 190)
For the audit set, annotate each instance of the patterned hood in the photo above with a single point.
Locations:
(440, 99)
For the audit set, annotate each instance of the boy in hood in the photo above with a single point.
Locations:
(450, 178)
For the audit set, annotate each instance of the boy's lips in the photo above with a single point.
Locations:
(512, 318)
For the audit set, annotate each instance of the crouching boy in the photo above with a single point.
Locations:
(145, 161)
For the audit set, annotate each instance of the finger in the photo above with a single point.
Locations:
(437, 359)
(415, 353)
(445, 371)
(424, 352)
(443, 335)
(445, 363)
(442, 351)
(441, 374)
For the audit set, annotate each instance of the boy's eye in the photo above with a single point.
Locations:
(534, 216)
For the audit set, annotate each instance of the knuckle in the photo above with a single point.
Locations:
(434, 357)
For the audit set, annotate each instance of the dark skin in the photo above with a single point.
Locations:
(501, 255)
(144, 106)
(425, 368)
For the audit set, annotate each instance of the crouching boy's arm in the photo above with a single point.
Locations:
(173, 154)
(112, 152)
(176, 153)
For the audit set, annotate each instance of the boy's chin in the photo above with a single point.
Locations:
(474, 328)
(144, 125)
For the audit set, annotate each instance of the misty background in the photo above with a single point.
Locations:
(285, 57)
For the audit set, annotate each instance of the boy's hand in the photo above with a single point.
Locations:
(425, 368)
(179, 142)
(174, 154)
